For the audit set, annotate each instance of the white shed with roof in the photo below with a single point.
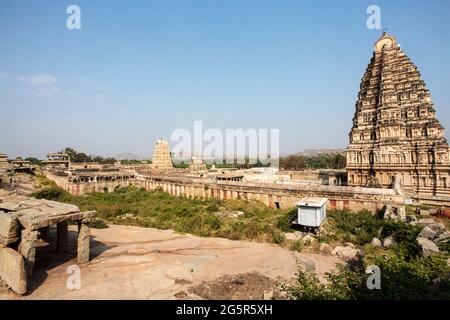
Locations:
(311, 211)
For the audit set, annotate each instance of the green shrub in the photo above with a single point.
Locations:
(213, 222)
(297, 245)
(419, 278)
(445, 246)
(404, 235)
(52, 193)
(212, 207)
(278, 237)
(284, 222)
(340, 286)
(359, 227)
(98, 224)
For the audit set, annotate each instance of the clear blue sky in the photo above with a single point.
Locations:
(137, 70)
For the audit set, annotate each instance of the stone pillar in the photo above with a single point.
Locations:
(83, 242)
(27, 249)
(62, 237)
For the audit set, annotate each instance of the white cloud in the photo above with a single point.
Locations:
(40, 79)
(33, 79)
(43, 84)
(46, 91)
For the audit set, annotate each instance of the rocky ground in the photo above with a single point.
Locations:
(20, 183)
(142, 263)
(250, 285)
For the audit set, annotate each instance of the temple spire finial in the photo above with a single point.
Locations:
(385, 39)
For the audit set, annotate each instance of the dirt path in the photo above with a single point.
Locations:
(142, 263)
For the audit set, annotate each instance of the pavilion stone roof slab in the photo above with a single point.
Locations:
(34, 213)
(20, 219)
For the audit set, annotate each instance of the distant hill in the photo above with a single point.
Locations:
(128, 156)
(316, 152)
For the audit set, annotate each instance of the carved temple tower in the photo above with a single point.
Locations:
(161, 156)
(395, 135)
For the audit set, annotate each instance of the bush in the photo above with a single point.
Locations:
(340, 285)
(420, 278)
(285, 221)
(98, 224)
(445, 246)
(361, 227)
(404, 235)
(52, 193)
(297, 245)
(213, 207)
(278, 237)
(213, 222)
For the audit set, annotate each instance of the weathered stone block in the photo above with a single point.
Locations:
(427, 246)
(9, 229)
(291, 236)
(27, 249)
(427, 233)
(388, 242)
(396, 213)
(83, 242)
(12, 270)
(346, 253)
(376, 243)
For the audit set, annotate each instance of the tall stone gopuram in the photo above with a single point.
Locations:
(396, 137)
(161, 156)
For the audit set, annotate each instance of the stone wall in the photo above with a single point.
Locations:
(80, 188)
(274, 195)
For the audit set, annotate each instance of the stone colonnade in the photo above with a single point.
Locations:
(274, 195)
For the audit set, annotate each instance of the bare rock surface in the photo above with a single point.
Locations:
(246, 286)
(143, 263)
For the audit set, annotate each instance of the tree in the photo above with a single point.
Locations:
(33, 160)
(78, 157)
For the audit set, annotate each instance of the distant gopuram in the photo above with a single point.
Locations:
(161, 156)
(396, 138)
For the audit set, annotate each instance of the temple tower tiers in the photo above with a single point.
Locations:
(161, 156)
(395, 135)
(197, 164)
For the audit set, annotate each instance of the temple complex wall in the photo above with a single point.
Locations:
(272, 194)
(80, 188)
(275, 195)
